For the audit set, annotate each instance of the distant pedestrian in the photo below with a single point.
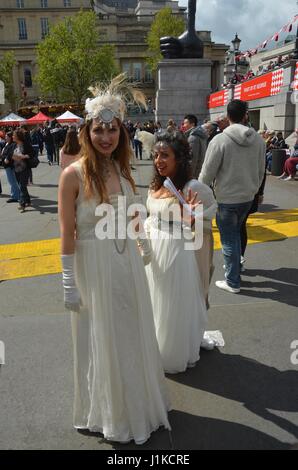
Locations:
(49, 144)
(197, 139)
(137, 144)
(22, 153)
(70, 151)
(8, 164)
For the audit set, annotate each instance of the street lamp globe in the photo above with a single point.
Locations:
(236, 43)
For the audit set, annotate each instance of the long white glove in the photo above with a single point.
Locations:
(72, 298)
(146, 251)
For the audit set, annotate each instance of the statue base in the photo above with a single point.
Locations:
(183, 88)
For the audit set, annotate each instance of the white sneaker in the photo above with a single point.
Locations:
(289, 178)
(223, 285)
(242, 269)
(207, 344)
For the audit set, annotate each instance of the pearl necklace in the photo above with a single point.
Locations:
(120, 251)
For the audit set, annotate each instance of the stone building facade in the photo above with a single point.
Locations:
(123, 23)
(23, 24)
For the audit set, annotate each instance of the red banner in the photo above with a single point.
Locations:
(220, 98)
(261, 87)
(295, 87)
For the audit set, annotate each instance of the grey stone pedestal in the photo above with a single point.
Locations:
(183, 88)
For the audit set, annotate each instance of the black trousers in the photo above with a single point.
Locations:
(22, 179)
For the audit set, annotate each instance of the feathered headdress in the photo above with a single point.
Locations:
(109, 101)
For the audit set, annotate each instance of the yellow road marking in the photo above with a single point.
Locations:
(30, 249)
(42, 257)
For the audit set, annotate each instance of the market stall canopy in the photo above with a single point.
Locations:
(68, 117)
(12, 119)
(40, 118)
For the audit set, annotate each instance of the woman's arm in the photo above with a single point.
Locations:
(68, 192)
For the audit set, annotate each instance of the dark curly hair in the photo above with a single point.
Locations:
(179, 144)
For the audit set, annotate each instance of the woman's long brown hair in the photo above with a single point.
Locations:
(71, 145)
(92, 164)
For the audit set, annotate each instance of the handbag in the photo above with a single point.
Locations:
(33, 162)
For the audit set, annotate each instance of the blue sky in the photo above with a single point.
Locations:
(253, 20)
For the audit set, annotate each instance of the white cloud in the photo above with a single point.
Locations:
(253, 20)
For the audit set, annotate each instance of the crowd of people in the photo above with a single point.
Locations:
(19, 151)
(139, 303)
(273, 65)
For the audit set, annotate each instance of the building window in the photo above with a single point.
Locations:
(44, 3)
(20, 3)
(137, 71)
(22, 28)
(67, 3)
(44, 27)
(126, 68)
(148, 74)
(27, 78)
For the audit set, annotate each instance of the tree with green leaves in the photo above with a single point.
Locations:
(6, 76)
(164, 24)
(69, 59)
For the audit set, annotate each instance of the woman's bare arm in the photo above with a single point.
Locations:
(68, 192)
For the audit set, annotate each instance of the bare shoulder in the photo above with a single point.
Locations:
(69, 178)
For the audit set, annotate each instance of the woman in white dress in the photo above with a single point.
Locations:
(177, 293)
(119, 381)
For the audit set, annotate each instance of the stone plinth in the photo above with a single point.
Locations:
(183, 88)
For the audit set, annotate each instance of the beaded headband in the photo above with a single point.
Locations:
(109, 102)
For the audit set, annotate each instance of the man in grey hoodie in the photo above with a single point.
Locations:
(235, 159)
(197, 139)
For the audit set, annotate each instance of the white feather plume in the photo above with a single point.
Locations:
(113, 97)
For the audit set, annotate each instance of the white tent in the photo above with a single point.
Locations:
(12, 119)
(68, 117)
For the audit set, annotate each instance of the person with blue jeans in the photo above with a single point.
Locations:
(8, 165)
(229, 219)
(234, 161)
(22, 154)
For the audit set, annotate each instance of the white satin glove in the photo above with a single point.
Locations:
(146, 251)
(72, 298)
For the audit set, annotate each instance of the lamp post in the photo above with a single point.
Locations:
(236, 45)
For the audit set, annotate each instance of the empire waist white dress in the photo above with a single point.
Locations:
(120, 387)
(177, 294)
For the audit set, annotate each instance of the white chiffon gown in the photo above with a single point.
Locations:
(119, 382)
(176, 289)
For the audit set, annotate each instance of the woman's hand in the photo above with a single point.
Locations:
(192, 203)
(145, 250)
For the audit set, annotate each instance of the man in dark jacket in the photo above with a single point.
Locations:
(49, 144)
(197, 139)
